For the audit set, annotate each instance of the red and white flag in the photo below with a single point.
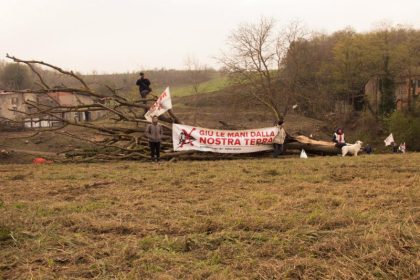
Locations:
(162, 104)
(186, 138)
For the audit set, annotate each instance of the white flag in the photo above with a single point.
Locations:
(162, 104)
(303, 154)
(389, 140)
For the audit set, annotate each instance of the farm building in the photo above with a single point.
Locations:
(13, 108)
(11, 103)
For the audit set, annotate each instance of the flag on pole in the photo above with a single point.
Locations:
(162, 104)
(389, 140)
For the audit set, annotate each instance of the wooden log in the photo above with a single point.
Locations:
(311, 146)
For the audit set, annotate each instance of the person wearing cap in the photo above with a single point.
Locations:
(278, 141)
(144, 86)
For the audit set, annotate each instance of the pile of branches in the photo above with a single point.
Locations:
(122, 136)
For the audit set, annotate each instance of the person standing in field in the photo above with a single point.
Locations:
(368, 149)
(401, 148)
(154, 133)
(144, 86)
(278, 141)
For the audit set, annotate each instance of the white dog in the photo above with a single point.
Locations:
(352, 149)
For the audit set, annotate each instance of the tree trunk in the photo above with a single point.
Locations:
(311, 146)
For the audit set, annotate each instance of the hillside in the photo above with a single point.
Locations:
(323, 218)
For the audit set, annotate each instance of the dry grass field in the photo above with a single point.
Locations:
(321, 218)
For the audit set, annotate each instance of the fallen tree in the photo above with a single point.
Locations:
(311, 145)
(121, 136)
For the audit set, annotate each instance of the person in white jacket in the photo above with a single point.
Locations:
(278, 141)
(338, 138)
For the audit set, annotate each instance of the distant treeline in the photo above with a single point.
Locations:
(325, 68)
(18, 77)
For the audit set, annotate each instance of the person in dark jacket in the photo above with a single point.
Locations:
(394, 147)
(368, 149)
(144, 86)
(154, 133)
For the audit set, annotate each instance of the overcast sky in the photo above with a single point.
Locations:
(129, 35)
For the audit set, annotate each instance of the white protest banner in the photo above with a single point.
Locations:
(187, 137)
(162, 104)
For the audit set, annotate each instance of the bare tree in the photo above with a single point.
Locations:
(256, 59)
(196, 73)
(120, 138)
(15, 76)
